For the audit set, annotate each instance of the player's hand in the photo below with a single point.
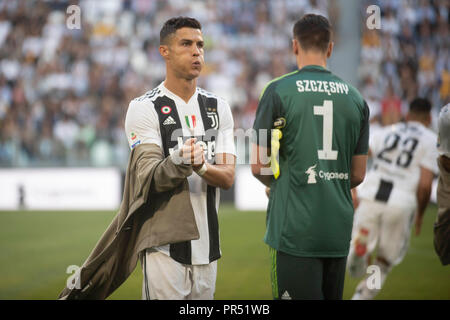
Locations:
(192, 153)
(198, 162)
(418, 224)
(355, 198)
(267, 192)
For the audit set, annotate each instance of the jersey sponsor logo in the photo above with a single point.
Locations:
(169, 121)
(208, 147)
(327, 87)
(166, 109)
(311, 172)
(333, 175)
(328, 176)
(133, 136)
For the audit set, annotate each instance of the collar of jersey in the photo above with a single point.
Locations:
(413, 122)
(314, 67)
(175, 97)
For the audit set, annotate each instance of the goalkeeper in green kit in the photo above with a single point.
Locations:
(317, 140)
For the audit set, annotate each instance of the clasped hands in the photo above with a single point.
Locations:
(192, 153)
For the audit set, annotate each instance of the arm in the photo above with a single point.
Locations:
(172, 170)
(261, 170)
(270, 110)
(167, 174)
(142, 127)
(423, 196)
(358, 170)
(360, 154)
(220, 174)
(445, 162)
(355, 198)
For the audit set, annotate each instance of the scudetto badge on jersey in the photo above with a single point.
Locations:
(190, 121)
(166, 109)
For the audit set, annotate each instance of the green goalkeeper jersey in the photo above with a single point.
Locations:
(324, 123)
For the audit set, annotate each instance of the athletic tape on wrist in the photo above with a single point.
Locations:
(202, 170)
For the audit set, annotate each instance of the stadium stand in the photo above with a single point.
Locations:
(64, 93)
(407, 57)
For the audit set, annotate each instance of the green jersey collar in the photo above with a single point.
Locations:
(314, 67)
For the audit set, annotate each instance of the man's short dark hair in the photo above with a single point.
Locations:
(420, 105)
(173, 24)
(313, 32)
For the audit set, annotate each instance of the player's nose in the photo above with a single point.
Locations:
(196, 51)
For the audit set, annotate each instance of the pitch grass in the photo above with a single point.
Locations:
(37, 247)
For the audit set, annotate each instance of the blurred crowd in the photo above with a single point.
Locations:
(64, 92)
(407, 57)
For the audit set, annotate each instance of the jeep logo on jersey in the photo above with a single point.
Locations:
(311, 172)
(166, 109)
(208, 147)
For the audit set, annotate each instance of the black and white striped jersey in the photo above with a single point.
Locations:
(163, 118)
(399, 151)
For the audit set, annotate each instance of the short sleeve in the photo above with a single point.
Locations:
(430, 155)
(269, 110)
(141, 124)
(225, 136)
(362, 147)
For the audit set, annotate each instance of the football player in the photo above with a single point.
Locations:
(394, 195)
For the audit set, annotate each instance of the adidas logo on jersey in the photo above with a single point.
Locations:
(286, 296)
(168, 121)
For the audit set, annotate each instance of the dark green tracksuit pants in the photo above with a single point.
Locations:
(306, 278)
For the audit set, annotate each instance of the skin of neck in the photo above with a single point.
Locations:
(182, 87)
(424, 119)
(310, 57)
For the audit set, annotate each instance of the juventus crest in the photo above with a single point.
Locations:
(212, 114)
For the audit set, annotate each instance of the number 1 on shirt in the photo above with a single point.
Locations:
(327, 153)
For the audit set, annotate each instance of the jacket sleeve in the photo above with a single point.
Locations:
(169, 172)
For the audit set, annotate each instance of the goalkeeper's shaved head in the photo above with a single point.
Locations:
(313, 32)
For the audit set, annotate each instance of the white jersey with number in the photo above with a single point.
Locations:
(142, 125)
(399, 151)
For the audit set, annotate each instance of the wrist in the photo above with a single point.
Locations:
(201, 170)
(176, 157)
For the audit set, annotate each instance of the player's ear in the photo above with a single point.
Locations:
(295, 46)
(330, 49)
(164, 51)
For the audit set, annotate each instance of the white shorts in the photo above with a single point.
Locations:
(167, 279)
(386, 228)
